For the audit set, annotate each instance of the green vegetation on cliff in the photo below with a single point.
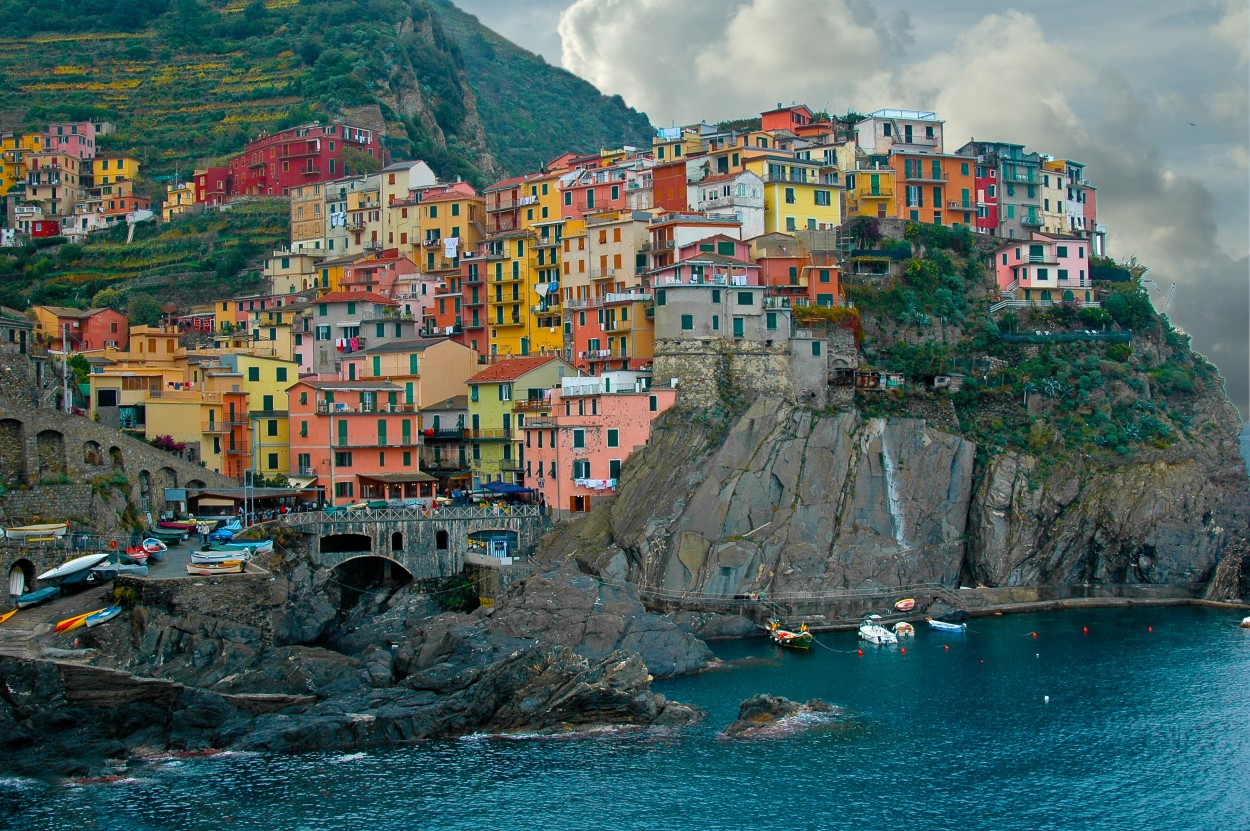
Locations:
(189, 80)
(1053, 382)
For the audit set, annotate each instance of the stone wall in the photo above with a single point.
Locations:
(45, 446)
(72, 502)
(252, 599)
(707, 369)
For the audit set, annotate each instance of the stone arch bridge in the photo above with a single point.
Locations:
(424, 543)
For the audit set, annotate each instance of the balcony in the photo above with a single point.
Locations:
(432, 242)
(213, 426)
(530, 405)
(1031, 219)
(455, 434)
(603, 274)
(488, 434)
(511, 465)
(514, 320)
(430, 462)
(959, 206)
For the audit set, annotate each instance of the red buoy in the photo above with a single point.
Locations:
(904, 650)
(1034, 634)
(1085, 630)
(859, 652)
(1150, 628)
(947, 647)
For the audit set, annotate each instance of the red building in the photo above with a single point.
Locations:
(274, 164)
(986, 179)
(798, 120)
(668, 186)
(212, 186)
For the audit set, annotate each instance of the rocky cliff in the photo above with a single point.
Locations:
(794, 503)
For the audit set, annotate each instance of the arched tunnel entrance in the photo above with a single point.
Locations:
(366, 583)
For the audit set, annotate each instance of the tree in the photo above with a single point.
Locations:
(108, 299)
(358, 162)
(143, 310)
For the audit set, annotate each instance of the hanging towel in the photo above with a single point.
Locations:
(450, 244)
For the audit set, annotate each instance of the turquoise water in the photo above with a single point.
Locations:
(1143, 730)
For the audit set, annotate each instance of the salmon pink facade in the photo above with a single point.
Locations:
(1045, 269)
(574, 458)
(356, 440)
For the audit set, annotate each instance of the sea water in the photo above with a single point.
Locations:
(1108, 719)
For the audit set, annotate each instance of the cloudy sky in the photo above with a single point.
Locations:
(1153, 97)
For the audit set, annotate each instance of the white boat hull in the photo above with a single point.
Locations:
(54, 530)
(878, 635)
(74, 566)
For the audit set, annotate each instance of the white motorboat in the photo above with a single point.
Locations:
(945, 626)
(872, 631)
(74, 566)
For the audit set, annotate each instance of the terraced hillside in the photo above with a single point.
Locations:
(189, 80)
(190, 260)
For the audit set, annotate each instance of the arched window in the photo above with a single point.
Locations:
(441, 540)
(397, 541)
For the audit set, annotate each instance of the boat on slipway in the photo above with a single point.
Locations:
(208, 556)
(211, 569)
(872, 631)
(801, 639)
(45, 531)
(75, 569)
(103, 616)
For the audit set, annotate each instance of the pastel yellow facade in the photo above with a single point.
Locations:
(796, 197)
(13, 150)
(870, 192)
(179, 199)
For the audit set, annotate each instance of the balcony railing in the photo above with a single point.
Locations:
(532, 404)
(512, 465)
(488, 434)
(959, 206)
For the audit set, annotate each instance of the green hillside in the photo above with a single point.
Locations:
(186, 81)
(193, 259)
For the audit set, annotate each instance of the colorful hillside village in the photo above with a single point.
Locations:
(421, 338)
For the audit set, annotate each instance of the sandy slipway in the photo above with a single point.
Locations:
(563, 653)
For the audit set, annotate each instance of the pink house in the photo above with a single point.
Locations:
(574, 458)
(1045, 269)
(356, 440)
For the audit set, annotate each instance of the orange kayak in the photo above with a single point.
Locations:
(7, 615)
(74, 622)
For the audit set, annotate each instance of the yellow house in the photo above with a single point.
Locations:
(308, 219)
(193, 416)
(451, 221)
(870, 192)
(798, 194)
(494, 427)
(13, 150)
(288, 272)
(265, 381)
(179, 199)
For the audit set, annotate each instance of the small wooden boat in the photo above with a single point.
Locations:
(946, 626)
(904, 629)
(169, 536)
(187, 525)
(210, 569)
(210, 556)
(906, 604)
(103, 616)
(264, 546)
(1245, 622)
(67, 570)
(10, 613)
(71, 623)
(46, 531)
(36, 597)
(137, 553)
(872, 631)
(155, 548)
(801, 639)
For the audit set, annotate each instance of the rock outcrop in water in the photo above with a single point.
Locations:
(768, 716)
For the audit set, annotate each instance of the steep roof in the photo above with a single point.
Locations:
(511, 369)
(416, 345)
